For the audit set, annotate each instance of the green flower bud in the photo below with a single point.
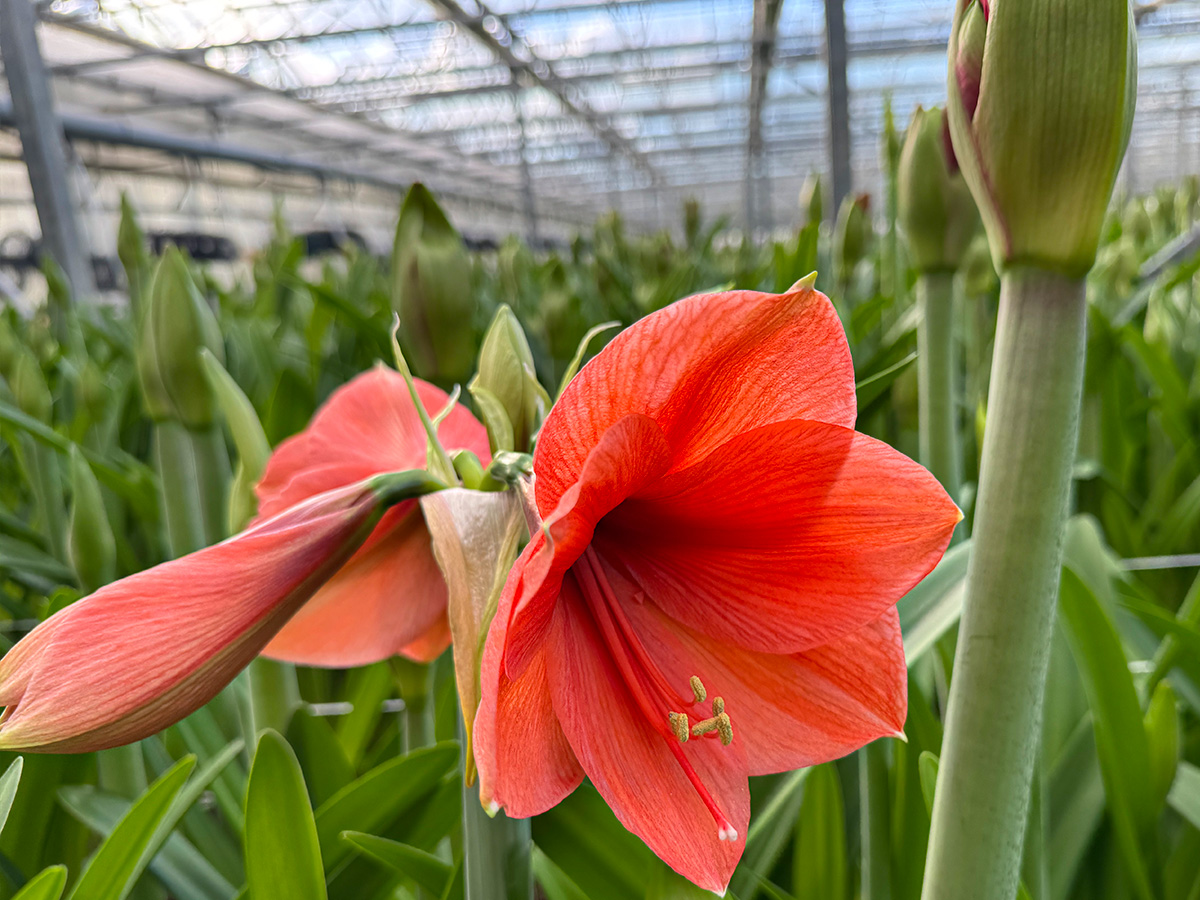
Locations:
(91, 547)
(812, 199)
(131, 250)
(937, 212)
(176, 326)
(431, 290)
(1041, 106)
(508, 394)
(979, 275)
(852, 234)
(29, 388)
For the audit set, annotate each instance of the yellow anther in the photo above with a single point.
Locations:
(698, 689)
(724, 729)
(679, 725)
(718, 705)
(702, 728)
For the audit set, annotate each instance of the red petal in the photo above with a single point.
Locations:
(525, 763)
(786, 538)
(632, 764)
(389, 599)
(146, 651)
(705, 368)
(627, 457)
(791, 711)
(367, 427)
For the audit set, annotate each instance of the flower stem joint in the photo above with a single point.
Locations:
(1041, 101)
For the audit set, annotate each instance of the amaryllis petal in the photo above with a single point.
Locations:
(390, 597)
(792, 711)
(631, 454)
(366, 427)
(635, 768)
(386, 598)
(785, 538)
(525, 763)
(705, 368)
(145, 651)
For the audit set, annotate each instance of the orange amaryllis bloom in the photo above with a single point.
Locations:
(390, 598)
(712, 594)
(144, 652)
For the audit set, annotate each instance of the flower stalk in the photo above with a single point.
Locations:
(992, 731)
(497, 850)
(939, 445)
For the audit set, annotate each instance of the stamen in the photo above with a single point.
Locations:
(698, 689)
(702, 728)
(725, 729)
(718, 705)
(679, 724)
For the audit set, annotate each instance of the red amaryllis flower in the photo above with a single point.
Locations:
(712, 593)
(144, 652)
(390, 598)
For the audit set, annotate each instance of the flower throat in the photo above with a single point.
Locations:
(663, 707)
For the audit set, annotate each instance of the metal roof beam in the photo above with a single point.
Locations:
(493, 32)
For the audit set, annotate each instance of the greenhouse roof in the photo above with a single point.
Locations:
(573, 106)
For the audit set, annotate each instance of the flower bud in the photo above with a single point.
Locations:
(91, 547)
(506, 389)
(176, 326)
(431, 290)
(937, 212)
(852, 234)
(28, 385)
(131, 250)
(812, 199)
(1041, 105)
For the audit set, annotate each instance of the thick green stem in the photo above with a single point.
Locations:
(875, 825)
(415, 681)
(45, 480)
(497, 850)
(274, 693)
(995, 710)
(937, 381)
(193, 469)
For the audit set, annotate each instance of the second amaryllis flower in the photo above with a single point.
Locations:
(712, 593)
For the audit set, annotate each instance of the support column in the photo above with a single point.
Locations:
(527, 199)
(839, 100)
(42, 141)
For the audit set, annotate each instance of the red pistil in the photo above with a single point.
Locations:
(649, 688)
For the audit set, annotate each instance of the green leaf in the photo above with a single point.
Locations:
(581, 351)
(47, 885)
(8, 788)
(555, 883)
(584, 839)
(928, 765)
(665, 884)
(770, 830)
(1075, 800)
(283, 857)
(429, 872)
(124, 854)
(1120, 734)
(933, 607)
(1185, 793)
(326, 768)
(378, 798)
(820, 865)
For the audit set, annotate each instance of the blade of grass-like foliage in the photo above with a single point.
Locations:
(1075, 797)
(770, 831)
(1120, 735)
(124, 854)
(46, 885)
(425, 869)
(555, 883)
(583, 838)
(283, 857)
(8, 788)
(1185, 793)
(820, 866)
(933, 607)
(379, 797)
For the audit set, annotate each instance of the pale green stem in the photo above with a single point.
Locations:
(416, 687)
(193, 469)
(497, 850)
(936, 380)
(994, 717)
(274, 693)
(45, 480)
(874, 822)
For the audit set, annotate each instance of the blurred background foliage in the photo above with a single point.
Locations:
(121, 445)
